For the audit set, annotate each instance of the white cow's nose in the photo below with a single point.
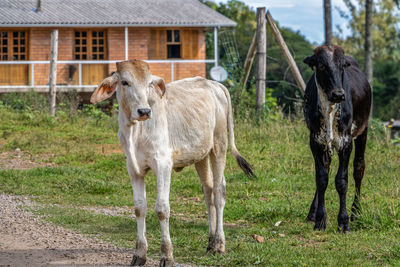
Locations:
(144, 112)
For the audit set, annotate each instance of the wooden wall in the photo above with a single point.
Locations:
(144, 43)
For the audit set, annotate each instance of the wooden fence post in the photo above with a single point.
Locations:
(261, 59)
(286, 52)
(53, 71)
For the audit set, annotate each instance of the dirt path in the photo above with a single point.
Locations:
(26, 240)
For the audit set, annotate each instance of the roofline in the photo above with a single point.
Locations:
(91, 25)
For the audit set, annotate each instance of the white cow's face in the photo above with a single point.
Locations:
(137, 89)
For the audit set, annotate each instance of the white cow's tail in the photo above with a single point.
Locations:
(243, 164)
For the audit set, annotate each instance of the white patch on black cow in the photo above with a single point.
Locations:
(329, 135)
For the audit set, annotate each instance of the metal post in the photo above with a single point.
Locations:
(126, 43)
(80, 73)
(172, 71)
(216, 46)
(32, 75)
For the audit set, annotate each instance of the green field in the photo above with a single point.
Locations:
(86, 174)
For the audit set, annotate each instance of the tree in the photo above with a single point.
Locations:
(368, 40)
(384, 33)
(328, 22)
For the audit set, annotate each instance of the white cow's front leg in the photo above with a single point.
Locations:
(164, 169)
(139, 197)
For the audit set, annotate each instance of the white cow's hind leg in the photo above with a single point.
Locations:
(163, 211)
(218, 160)
(204, 171)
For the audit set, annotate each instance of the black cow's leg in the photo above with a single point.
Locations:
(359, 167)
(341, 182)
(313, 208)
(321, 178)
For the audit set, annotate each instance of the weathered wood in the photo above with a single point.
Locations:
(261, 58)
(247, 67)
(249, 61)
(53, 71)
(292, 64)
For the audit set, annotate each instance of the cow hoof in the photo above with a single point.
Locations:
(355, 213)
(343, 228)
(213, 251)
(211, 245)
(210, 250)
(310, 218)
(138, 261)
(167, 263)
(320, 225)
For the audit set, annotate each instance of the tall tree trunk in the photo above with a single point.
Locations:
(368, 39)
(368, 43)
(328, 22)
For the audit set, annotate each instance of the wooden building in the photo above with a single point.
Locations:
(94, 34)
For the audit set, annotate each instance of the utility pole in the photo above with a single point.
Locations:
(53, 71)
(261, 59)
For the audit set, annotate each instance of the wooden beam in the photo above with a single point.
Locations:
(45, 89)
(53, 71)
(247, 67)
(249, 60)
(261, 59)
(292, 64)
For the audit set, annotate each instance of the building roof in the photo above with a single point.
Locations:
(97, 13)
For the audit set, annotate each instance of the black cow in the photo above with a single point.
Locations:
(336, 110)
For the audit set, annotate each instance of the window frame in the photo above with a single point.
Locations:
(173, 42)
(91, 36)
(11, 38)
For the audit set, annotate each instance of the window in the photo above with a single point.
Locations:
(13, 45)
(90, 45)
(173, 44)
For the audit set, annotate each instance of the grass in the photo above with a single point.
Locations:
(279, 152)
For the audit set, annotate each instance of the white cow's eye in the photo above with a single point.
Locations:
(125, 83)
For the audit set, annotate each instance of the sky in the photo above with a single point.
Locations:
(305, 16)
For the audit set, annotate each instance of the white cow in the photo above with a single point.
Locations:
(164, 127)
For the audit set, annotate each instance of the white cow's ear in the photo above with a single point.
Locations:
(159, 85)
(105, 90)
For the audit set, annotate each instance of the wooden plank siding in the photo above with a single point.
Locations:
(189, 44)
(14, 45)
(144, 43)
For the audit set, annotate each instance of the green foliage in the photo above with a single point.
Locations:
(385, 35)
(386, 86)
(30, 101)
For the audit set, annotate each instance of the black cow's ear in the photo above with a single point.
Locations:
(310, 61)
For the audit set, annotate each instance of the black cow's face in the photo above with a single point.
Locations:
(330, 63)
